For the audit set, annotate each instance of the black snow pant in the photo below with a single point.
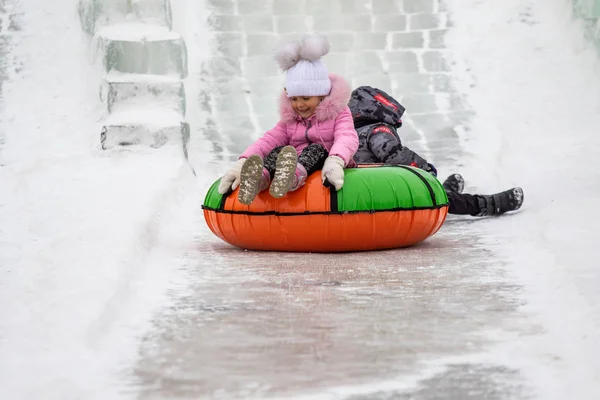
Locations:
(463, 203)
(312, 158)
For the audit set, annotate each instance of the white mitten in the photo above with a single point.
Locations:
(231, 179)
(333, 171)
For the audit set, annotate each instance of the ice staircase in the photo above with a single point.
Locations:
(143, 63)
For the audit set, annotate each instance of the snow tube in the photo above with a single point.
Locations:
(379, 207)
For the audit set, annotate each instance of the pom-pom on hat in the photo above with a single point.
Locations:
(305, 73)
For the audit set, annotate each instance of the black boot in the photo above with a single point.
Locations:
(454, 183)
(499, 203)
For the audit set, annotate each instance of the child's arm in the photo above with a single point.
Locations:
(345, 138)
(388, 149)
(276, 136)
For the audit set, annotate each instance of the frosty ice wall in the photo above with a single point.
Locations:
(398, 46)
(143, 64)
(589, 10)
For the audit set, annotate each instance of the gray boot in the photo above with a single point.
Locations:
(250, 179)
(285, 172)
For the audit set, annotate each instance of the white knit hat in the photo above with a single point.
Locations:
(305, 73)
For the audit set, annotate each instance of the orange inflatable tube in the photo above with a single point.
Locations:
(378, 208)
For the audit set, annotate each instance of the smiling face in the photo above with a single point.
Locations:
(305, 106)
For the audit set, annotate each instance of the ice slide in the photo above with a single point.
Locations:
(111, 287)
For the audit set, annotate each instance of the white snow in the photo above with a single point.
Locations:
(153, 116)
(91, 240)
(134, 31)
(116, 76)
(536, 94)
(87, 244)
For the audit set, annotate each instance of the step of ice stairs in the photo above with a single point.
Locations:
(95, 14)
(140, 48)
(119, 91)
(152, 126)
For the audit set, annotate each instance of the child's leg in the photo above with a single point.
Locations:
(313, 157)
(270, 161)
(485, 205)
(310, 160)
(462, 203)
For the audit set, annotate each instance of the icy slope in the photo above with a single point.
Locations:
(83, 252)
(535, 86)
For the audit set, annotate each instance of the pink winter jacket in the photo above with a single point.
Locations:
(331, 125)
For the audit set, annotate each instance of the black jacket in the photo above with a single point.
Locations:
(377, 116)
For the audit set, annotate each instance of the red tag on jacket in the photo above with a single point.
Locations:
(382, 128)
(385, 101)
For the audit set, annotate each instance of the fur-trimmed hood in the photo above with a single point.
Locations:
(331, 106)
(332, 126)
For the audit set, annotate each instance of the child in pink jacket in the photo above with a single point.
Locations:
(315, 131)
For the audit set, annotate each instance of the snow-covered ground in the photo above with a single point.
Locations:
(111, 285)
(534, 83)
(85, 248)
